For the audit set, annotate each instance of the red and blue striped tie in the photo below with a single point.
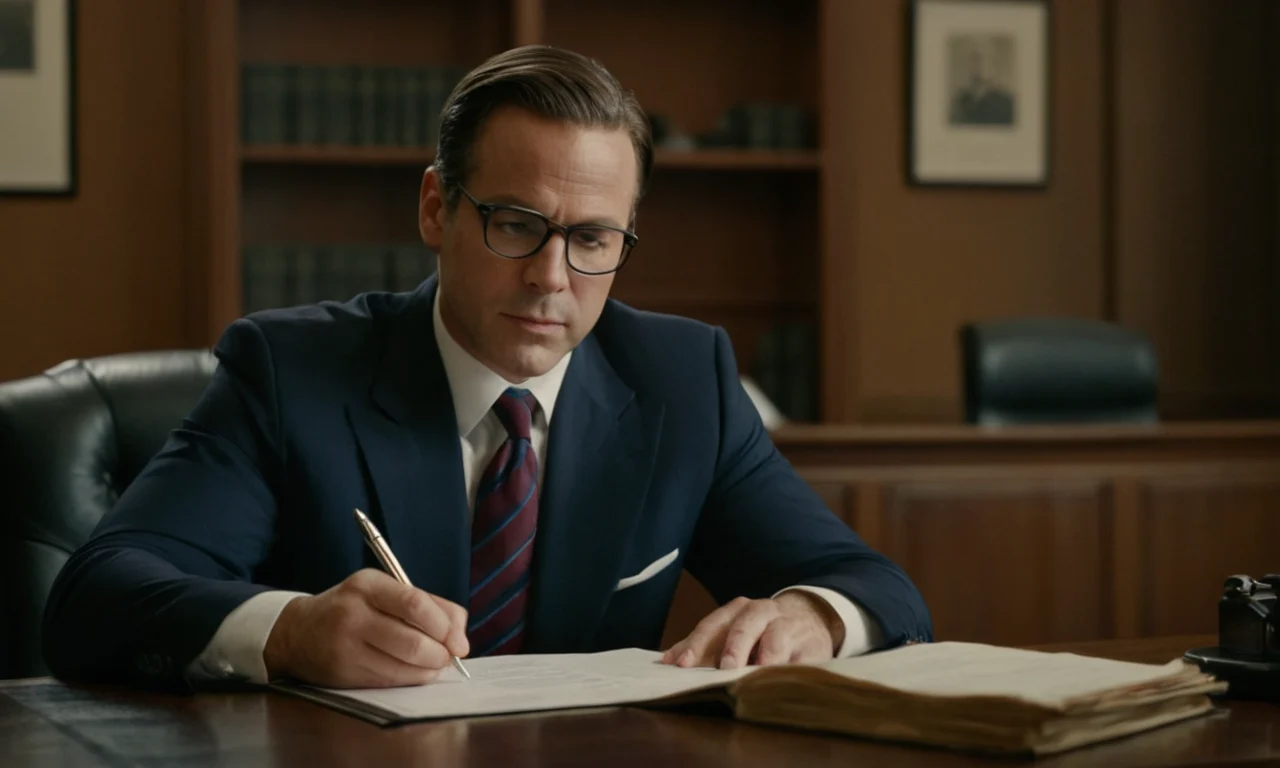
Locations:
(506, 518)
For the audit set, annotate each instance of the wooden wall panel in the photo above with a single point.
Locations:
(1050, 535)
(1197, 529)
(105, 271)
(691, 59)
(1016, 561)
(905, 267)
(390, 32)
(1197, 265)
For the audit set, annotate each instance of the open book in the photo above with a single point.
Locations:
(956, 695)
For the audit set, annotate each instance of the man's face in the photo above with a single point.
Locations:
(521, 316)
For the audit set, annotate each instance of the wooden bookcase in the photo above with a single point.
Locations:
(729, 236)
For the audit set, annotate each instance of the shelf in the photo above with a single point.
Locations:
(739, 159)
(320, 154)
(708, 159)
(732, 305)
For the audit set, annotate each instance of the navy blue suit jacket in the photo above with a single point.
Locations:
(316, 410)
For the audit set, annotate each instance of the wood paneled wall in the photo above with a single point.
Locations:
(1198, 264)
(1053, 537)
(908, 265)
(105, 271)
(1160, 213)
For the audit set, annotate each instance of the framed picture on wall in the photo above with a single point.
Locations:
(37, 97)
(978, 102)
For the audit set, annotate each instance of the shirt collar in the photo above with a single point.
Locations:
(475, 387)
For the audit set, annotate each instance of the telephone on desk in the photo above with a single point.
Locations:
(1248, 652)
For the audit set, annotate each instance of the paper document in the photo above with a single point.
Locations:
(506, 684)
(970, 669)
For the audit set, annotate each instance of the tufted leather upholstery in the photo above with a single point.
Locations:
(1049, 369)
(71, 440)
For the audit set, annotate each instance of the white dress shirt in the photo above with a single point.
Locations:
(236, 648)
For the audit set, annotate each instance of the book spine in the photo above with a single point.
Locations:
(435, 92)
(253, 86)
(412, 118)
(305, 277)
(310, 107)
(339, 93)
(387, 86)
(366, 106)
(266, 281)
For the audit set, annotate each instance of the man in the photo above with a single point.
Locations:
(980, 100)
(542, 460)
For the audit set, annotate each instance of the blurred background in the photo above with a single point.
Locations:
(230, 155)
(912, 218)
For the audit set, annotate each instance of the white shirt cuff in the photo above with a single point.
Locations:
(235, 651)
(861, 633)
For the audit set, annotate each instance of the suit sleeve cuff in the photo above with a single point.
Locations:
(235, 651)
(861, 633)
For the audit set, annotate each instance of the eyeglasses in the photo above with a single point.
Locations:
(513, 232)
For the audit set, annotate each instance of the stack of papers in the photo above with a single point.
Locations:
(965, 696)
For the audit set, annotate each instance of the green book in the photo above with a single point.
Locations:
(266, 277)
(264, 102)
(253, 86)
(413, 122)
(413, 263)
(387, 100)
(758, 125)
(329, 280)
(305, 287)
(308, 85)
(803, 370)
(370, 270)
(766, 368)
(338, 96)
(366, 107)
(436, 88)
(791, 127)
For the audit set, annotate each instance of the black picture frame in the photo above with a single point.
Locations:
(67, 141)
(927, 143)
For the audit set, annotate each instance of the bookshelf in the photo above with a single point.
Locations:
(709, 159)
(730, 229)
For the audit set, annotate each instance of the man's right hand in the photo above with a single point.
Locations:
(370, 631)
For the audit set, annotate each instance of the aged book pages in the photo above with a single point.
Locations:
(957, 695)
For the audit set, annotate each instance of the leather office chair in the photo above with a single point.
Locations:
(1051, 369)
(71, 440)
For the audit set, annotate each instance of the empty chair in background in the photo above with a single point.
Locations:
(1057, 370)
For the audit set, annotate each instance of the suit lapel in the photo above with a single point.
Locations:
(600, 455)
(408, 435)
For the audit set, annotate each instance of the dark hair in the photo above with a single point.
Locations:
(548, 81)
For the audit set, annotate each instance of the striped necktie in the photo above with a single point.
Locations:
(506, 517)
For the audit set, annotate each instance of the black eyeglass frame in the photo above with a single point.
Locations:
(629, 238)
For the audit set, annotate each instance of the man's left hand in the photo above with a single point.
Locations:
(792, 628)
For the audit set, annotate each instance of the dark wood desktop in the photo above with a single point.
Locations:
(43, 722)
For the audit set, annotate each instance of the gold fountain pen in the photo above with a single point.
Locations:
(392, 566)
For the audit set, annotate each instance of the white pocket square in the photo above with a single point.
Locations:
(650, 570)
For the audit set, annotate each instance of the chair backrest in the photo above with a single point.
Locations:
(71, 440)
(1053, 370)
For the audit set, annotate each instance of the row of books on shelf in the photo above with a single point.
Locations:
(749, 125)
(286, 275)
(786, 369)
(347, 105)
(289, 275)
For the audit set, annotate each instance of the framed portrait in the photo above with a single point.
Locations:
(978, 106)
(37, 97)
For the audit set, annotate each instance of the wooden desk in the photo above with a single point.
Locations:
(43, 722)
(1051, 534)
